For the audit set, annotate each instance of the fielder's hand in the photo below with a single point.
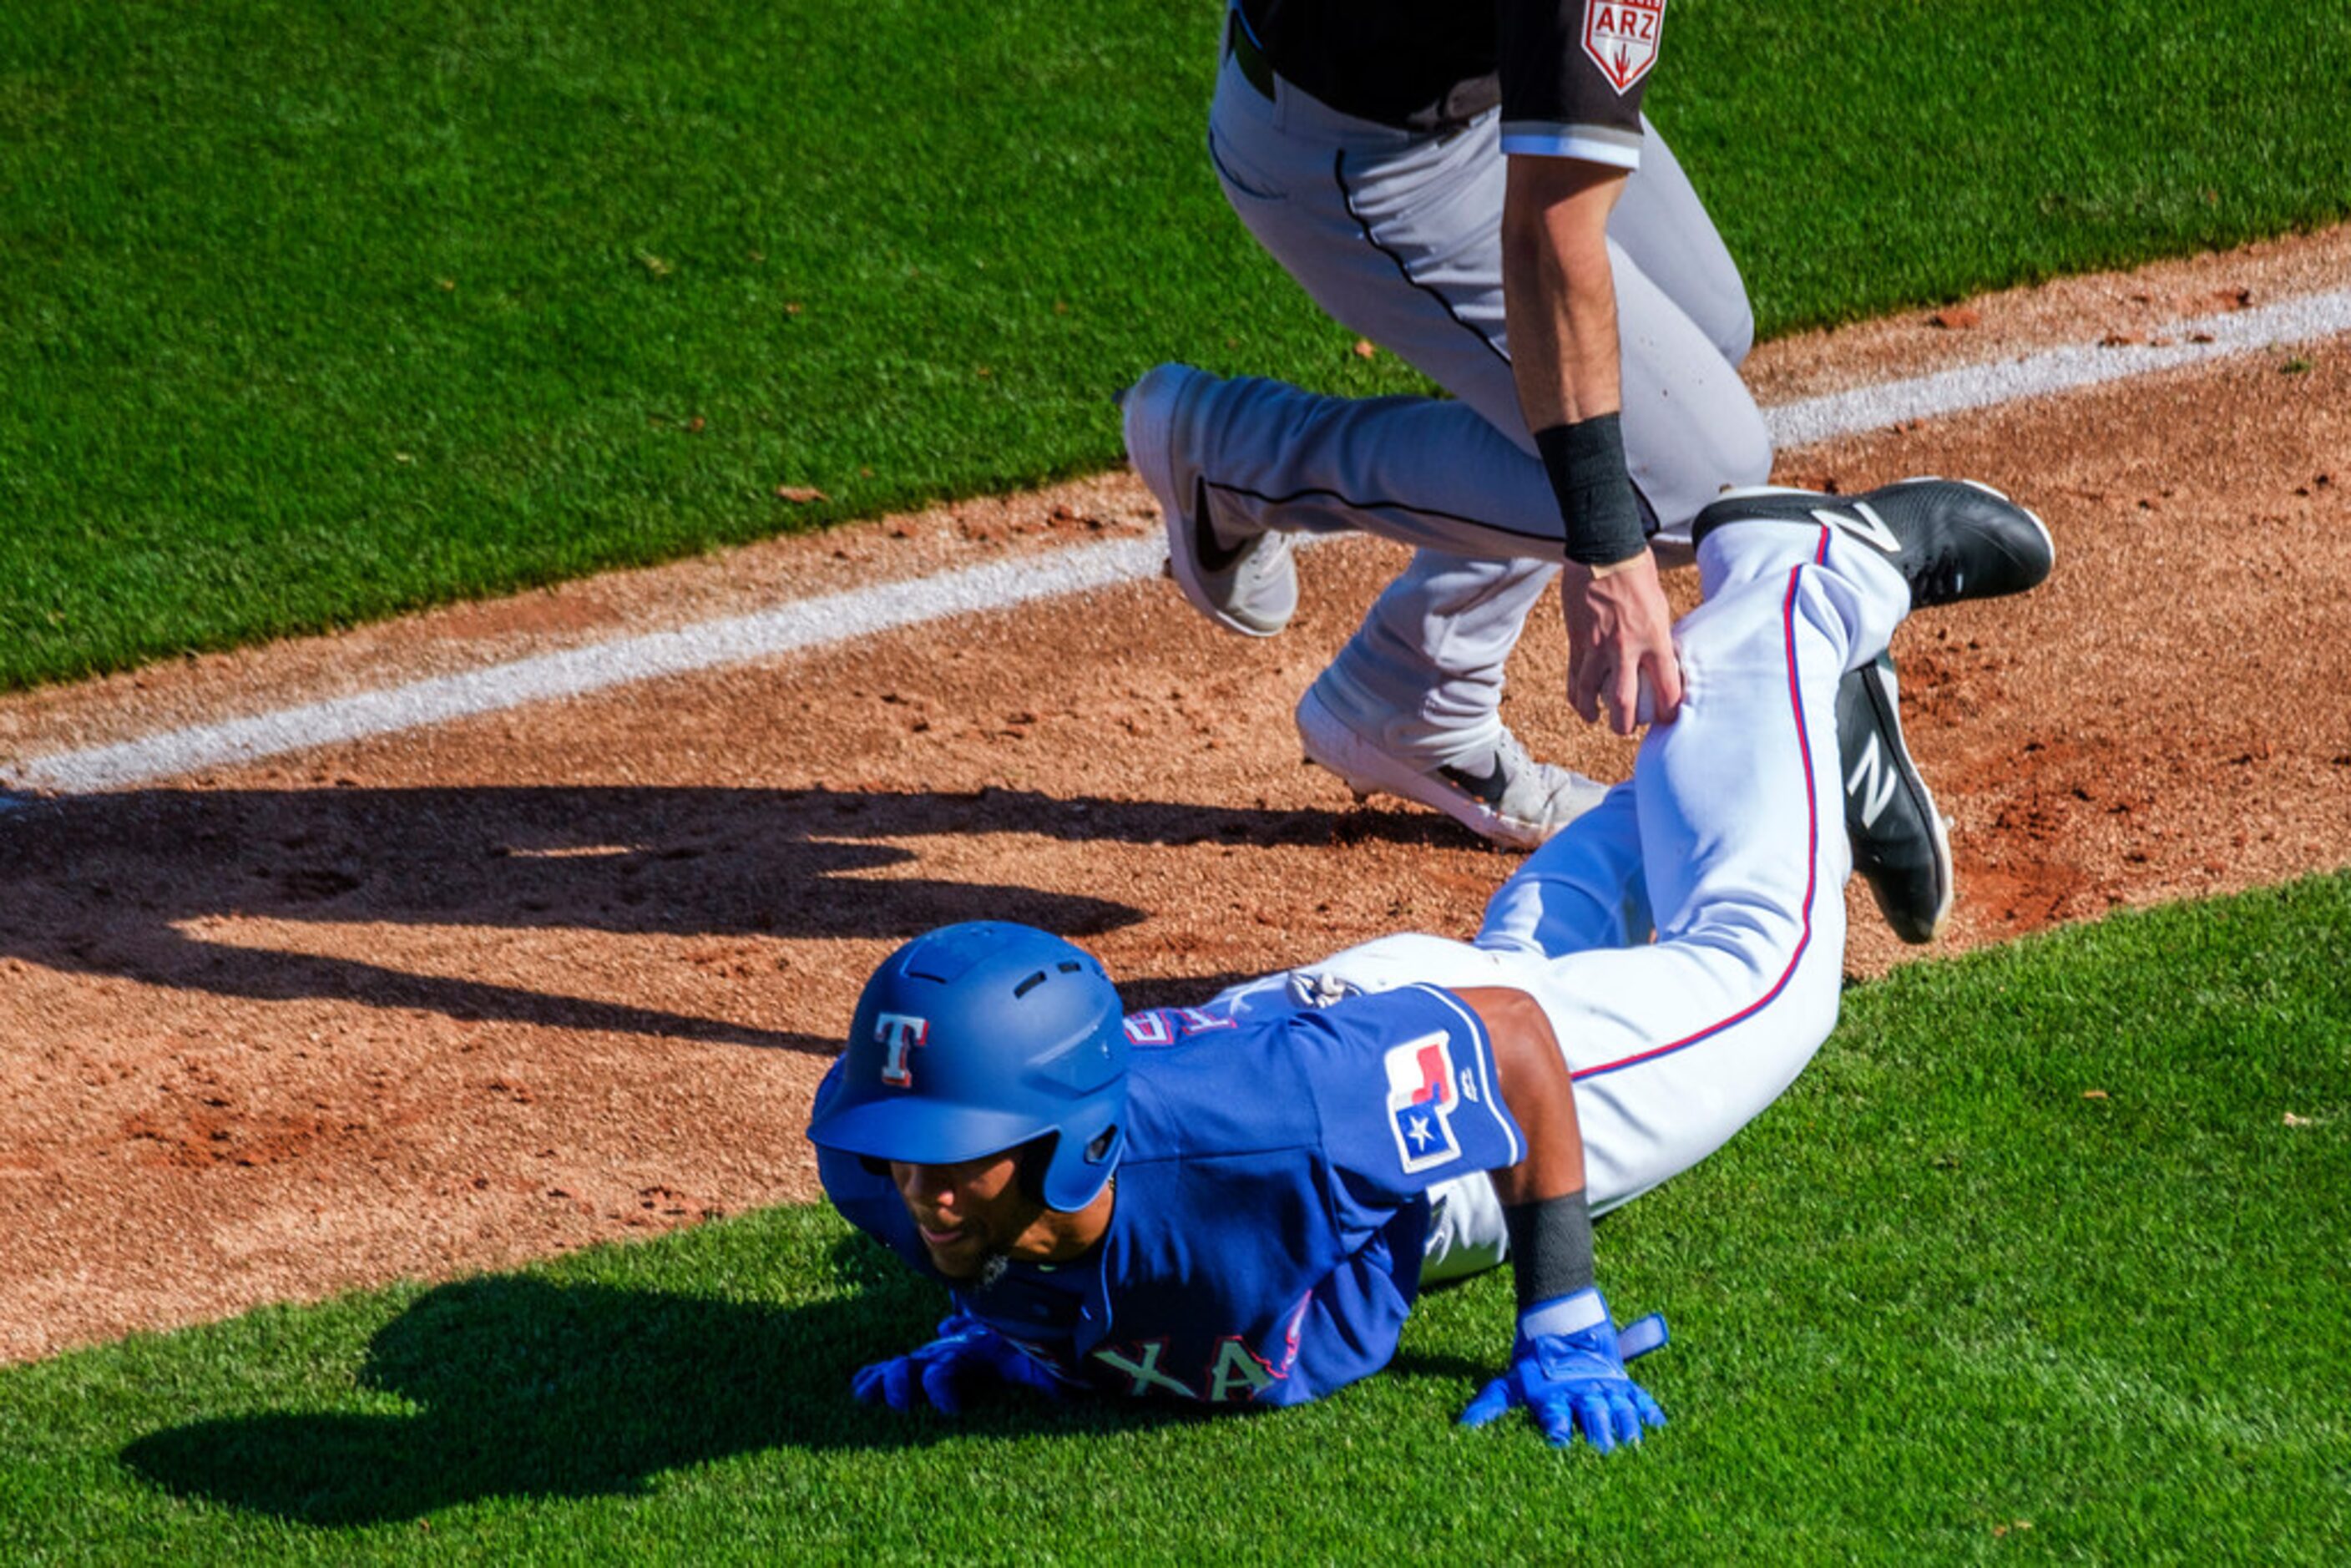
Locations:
(1620, 645)
(1575, 1382)
(968, 1354)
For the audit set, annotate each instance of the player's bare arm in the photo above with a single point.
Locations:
(1566, 1368)
(1536, 1086)
(1559, 297)
(1560, 291)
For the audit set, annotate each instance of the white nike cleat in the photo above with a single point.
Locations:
(1250, 588)
(1498, 793)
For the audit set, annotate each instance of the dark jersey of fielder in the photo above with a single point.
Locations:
(1569, 74)
(1264, 1245)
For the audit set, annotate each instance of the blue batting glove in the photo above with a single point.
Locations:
(966, 1354)
(1567, 1372)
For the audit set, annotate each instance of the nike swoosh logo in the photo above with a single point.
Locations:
(1213, 557)
(1488, 789)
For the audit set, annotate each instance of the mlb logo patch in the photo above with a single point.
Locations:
(1422, 1096)
(1621, 37)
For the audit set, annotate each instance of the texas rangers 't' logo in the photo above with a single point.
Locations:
(898, 1035)
(1422, 1095)
(1622, 37)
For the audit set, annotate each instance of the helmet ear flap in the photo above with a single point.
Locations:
(1035, 1158)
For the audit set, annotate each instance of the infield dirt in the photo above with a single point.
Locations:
(451, 999)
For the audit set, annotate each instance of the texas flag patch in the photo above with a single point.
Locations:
(1621, 37)
(1423, 1095)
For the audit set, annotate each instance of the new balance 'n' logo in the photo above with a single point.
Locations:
(1872, 782)
(1864, 524)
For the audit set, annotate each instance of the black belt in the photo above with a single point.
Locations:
(1256, 69)
(1463, 102)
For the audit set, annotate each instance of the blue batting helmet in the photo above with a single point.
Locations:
(978, 1037)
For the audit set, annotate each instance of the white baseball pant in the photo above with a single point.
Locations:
(1729, 839)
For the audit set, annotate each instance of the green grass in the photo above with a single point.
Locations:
(315, 312)
(1939, 1304)
(1863, 158)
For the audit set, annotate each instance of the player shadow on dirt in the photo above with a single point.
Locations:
(525, 1387)
(124, 884)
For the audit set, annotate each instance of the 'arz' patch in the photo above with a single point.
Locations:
(1621, 37)
(1422, 1095)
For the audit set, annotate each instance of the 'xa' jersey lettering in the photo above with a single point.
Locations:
(1265, 1244)
(1569, 74)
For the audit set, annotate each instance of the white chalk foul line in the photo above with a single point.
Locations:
(2068, 369)
(841, 617)
(788, 628)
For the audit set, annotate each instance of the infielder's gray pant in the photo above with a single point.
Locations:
(1397, 236)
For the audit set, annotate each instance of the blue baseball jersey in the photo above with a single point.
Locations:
(1264, 1247)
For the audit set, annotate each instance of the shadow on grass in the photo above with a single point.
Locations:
(529, 1388)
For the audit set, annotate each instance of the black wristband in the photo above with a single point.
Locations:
(1586, 463)
(1551, 1248)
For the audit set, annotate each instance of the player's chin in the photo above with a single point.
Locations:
(960, 1257)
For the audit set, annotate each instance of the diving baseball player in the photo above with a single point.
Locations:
(1235, 1205)
(1474, 188)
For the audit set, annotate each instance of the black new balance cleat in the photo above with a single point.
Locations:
(1899, 843)
(1950, 538)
